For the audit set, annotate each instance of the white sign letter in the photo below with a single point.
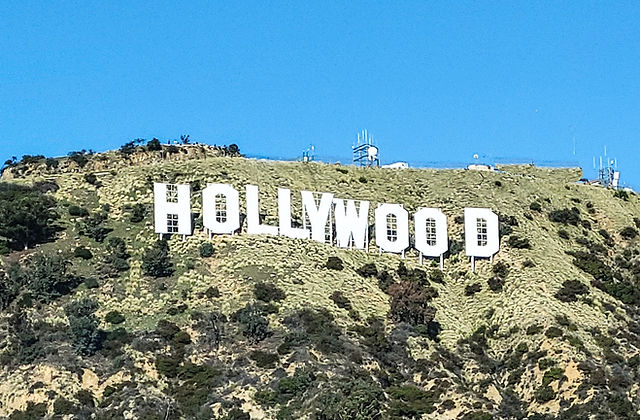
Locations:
(431, 232)
(350, 224)
(481, 232)
(399, 240)
(284, 216)
(172, 208)
(220, 208)
(318, 216)
(253, 214)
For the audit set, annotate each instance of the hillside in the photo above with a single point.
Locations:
(276, 328)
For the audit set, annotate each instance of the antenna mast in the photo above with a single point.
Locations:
(365, 153)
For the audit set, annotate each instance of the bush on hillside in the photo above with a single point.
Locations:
(628, 233)
(570, 290)
(535, 206)
(154, 145)
(82, 252)
(138, 212)
(83, 324)
(410, 303)
(334, 263)
(565, 216)
(156, 261)
(268, 292)
(46, 278)
(93, 226)
(78, 211)
(28, 216)
(116, 256)
(254, 324)
(518, 242)
(340, 300)
(368, 270)
(79, 158)
(206, 250)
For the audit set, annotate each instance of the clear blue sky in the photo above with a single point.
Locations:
(433, 81)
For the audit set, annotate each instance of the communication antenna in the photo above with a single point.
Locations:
(608, 174)
(308, 154)
(365, 153)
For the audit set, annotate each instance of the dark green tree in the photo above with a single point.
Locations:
(87, 337)
(27, 216)
(153, 145)
(156, 261)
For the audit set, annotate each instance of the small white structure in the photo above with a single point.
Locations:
(397, 165)
(480, 167)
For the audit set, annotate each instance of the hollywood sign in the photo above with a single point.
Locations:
(324, 216)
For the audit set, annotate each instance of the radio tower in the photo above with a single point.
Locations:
(364, 152)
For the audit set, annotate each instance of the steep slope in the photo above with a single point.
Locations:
(273, 327)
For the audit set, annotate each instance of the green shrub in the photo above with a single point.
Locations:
(91, 283)
(154, 145)
(553, 332)
(212, 292)
(32, 412)
(411, 401)
(206, 250)
(517, 242)
(263, 359)
(62, 406)
(592, 264)
(156, 261)
(51, 163)
(636, 221)
(534, 329)
(368, 270)
(341, 301)
(621, 194)
(181, 338)
(46, 278)
(544, 394)
(553, 374)
(314, 326)
(93, 226)
(127, 149)
(628, 233)
(410, 303)
(436, 276)
(358, 398)
(565, 216)
(82, 252)
(114, 317)
(254, 324)
(28, 216)
(166, 329)
(83, 324)
(472, 289)
(91, 179)
(570, 290)
(79, 158)
(78, 211)
(138, 212)
(500, 270)
(168, 365)
(268, 292)
(563, 234)
(334, 263)
(495, 284)
(535, 206)
(116, 256)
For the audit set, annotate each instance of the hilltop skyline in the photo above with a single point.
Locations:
(432, 82)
